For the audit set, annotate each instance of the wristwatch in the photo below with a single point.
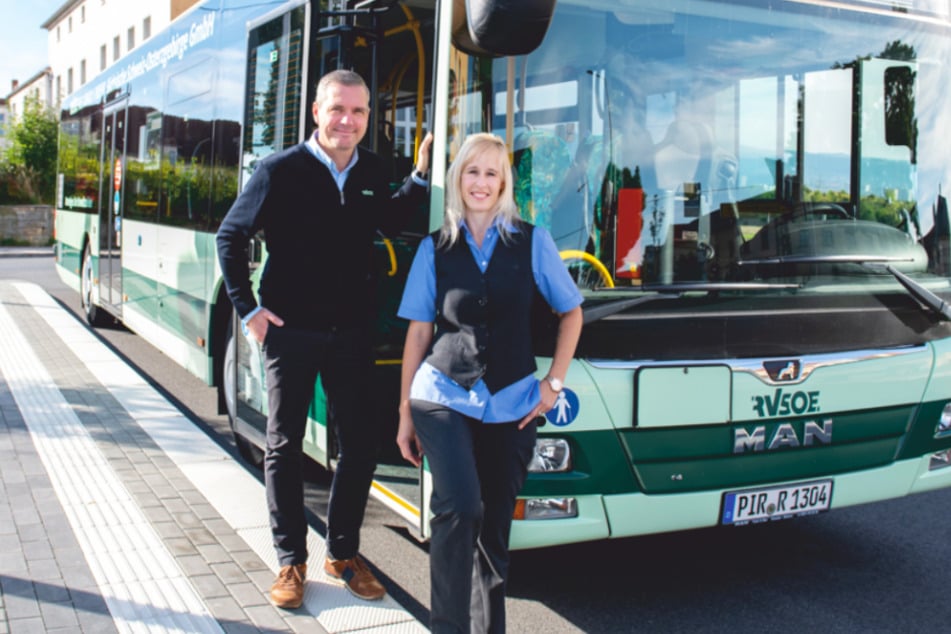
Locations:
(420, 175)
(555, 383)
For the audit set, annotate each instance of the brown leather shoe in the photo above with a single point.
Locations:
(356, 576)
(288, 589)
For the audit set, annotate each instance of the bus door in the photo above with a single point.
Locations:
(274, 118)
(110, 206)
(274, 110)
(385, 48)
(284, 63)
(336, 47)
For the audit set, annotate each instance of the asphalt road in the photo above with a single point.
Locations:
(876, 568)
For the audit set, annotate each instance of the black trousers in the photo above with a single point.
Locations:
(293, 359)
(477, 470)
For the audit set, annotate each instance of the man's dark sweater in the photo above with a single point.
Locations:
(318, 272)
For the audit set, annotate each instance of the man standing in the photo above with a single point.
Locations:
(319, 204)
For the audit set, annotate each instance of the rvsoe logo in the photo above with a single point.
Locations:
(783, 403)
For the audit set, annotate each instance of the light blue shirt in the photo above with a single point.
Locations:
(514, 401)
(340, 176)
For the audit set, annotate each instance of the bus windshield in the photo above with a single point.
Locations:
(796, 146)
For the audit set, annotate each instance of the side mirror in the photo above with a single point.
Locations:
(500, 28)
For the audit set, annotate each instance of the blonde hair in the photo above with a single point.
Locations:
(474, 147)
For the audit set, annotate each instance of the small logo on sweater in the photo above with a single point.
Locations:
(367, 192)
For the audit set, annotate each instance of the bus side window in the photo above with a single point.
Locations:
(224, 186)
(80, 144)
(188, 150)
(141, 161)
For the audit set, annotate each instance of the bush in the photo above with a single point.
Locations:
(18, 186)
(28, 167)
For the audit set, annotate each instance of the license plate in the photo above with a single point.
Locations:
(776, 503)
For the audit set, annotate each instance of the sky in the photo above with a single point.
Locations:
(22, 40)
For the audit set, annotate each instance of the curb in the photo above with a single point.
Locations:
(24, 252)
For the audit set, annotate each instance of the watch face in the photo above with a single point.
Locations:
(555, 384)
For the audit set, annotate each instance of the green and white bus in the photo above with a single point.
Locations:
(751, 197)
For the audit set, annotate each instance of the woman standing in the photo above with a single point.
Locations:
(469, 397)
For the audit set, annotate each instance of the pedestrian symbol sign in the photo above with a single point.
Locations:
(565, 409)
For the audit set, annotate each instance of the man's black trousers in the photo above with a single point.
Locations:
(293, 359)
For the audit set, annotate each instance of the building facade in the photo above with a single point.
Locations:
(39, 87)
(85, 37)
(4, 117)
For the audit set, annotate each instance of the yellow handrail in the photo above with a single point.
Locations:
(412, 24)
(392, 253)
(571, 254)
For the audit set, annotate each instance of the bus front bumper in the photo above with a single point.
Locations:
(631, 514)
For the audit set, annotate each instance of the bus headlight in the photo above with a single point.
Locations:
(552, 455)
(546, 509)
(943, 427)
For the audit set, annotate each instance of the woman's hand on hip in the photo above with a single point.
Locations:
(548, 399)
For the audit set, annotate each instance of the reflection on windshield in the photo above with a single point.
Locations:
(672, 145)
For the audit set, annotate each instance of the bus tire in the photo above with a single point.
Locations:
(96, 316)
(251, 453)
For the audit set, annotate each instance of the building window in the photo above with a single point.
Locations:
(82, 14)
(82, 73)
(70, 23)
(102, 57)
(115, 48)
(146, 28)
(69, 81)
(130, 39)
(57, 34)
(59, 87)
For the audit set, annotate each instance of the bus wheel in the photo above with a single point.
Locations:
(247, 449)
(95, 315)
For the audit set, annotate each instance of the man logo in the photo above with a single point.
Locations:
(783, 437)
(783, 371)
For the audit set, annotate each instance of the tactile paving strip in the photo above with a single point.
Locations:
(140, 581)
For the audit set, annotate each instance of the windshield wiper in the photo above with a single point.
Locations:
(615, 306)
(916, 290)
(921, 293)
(686, 287)
(672, 291)
(824, 259)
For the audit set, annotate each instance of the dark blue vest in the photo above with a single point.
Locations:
(483, 321)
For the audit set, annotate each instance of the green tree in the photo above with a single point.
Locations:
(28, 167)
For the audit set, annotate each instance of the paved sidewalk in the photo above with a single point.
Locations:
(118, 514)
